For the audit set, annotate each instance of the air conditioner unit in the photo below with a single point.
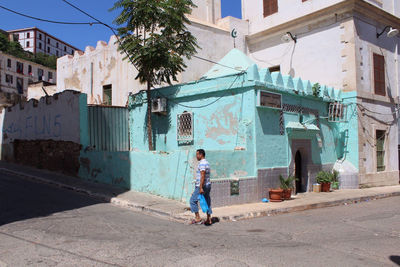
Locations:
(159, 105)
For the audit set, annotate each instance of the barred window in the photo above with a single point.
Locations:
(185, 126)
(337, 112)
(380, 150)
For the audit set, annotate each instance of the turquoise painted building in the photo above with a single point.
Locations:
(254, 126)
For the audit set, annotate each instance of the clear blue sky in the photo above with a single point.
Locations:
(79, 36)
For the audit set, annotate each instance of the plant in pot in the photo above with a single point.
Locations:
(275, 194)
(325, 179)
(287, 184)
(335, 179)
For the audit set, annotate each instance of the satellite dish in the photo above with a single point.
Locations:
(392, 32)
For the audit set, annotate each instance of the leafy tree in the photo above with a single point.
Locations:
(154, 37)
(4, 43)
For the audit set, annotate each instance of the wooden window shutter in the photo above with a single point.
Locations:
(379, 75)
(270, 7)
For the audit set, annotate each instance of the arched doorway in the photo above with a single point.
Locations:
(298, 172)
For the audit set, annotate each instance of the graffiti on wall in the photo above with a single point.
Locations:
(35, 127)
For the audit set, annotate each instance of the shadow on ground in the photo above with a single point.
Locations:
(21, 199)
(395, 259)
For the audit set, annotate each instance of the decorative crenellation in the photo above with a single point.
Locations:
(101, 46)
(286, 83)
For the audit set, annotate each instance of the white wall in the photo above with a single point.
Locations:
(390, 6)
(110, 68)
(252, 10)
(317, 56)
(207, 10)
(56, 120)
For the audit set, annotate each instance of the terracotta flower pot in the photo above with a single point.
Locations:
(287, 194)
(325, 187)
(275, 195)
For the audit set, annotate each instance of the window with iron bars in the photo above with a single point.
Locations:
(185, 127)
(337, 112)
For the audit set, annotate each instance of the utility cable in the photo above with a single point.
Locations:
(205, 105)
(46, 20)
(119, 41)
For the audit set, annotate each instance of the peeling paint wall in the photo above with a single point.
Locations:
(45, 133)
(239, 138)
(106, 167)
(88, 72)
(55, 117)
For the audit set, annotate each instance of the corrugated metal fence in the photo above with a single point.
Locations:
(108, 128)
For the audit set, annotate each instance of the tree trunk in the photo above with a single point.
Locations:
(149, 128)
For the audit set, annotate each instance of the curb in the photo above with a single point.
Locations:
(327, 204)
(113, 200)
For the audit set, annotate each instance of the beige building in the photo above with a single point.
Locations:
(337, 44)
(36, 40)
(16, 74)
(106, 78)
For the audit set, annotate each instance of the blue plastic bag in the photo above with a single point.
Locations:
(203, 203)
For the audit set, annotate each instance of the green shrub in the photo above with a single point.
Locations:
(287, 183)
(328, 177)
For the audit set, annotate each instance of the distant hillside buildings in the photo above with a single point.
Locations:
(37, 41)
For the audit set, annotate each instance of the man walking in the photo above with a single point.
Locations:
(202, 186)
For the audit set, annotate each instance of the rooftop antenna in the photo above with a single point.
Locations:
(234, 36)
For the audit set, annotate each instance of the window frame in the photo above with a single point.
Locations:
(380, 150)
(20, 86)
(379, 74)
(9, 79)
(107, 88)
(270, 7)
(184, 135)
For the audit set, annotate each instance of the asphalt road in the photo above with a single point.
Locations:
(41, 225)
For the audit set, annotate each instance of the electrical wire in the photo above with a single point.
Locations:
(205, 105)
(106, 25)
(46, 20)
(375, 112)
(214, 62)
(119, 41)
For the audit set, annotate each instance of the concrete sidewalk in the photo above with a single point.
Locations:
(178, 211)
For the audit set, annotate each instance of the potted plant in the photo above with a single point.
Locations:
(275, 195)
(324, 178)
(335, 179)
(287, 185)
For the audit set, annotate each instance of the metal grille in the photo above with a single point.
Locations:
(185, 127)
(337, 112)
(296, 109)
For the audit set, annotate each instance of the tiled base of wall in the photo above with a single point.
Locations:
(221, 192)
(255, 189)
